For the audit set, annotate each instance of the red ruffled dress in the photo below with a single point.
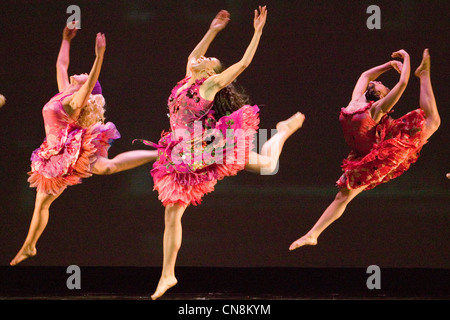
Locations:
(380, 152)
(68, 151)
(199, 149)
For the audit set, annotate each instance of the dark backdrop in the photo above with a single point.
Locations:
(310, 56)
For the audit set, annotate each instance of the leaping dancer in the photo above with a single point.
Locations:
(382, 148)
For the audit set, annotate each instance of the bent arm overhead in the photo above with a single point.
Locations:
(367, 76)
(219, 23)
(80, 98)
(384, 105)
(219, 81)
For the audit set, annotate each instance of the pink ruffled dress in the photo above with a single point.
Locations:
(380, 152)
(68, 151)
(199, 149)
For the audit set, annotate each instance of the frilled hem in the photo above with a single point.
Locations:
(52, 173)
(399, 146)
(185, 188)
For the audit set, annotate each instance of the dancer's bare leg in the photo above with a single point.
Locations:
(171, 246)
(38, 223)
(331, 214)
(124, 161)
(427, 100)
(121, 162)
(267, 161)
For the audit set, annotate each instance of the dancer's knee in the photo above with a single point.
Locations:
(267, 165)
(109, 168)
(44, 200)
(104, 167)
(343, 196)
(173, 215)
(433, 123)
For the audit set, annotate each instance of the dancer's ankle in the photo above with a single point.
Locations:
(27, 251)
(164, 284)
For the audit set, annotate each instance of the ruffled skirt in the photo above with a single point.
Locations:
(185, 177)
(398, 146)
(65, 164)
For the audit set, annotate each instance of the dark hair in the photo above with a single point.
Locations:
(229, 99)
(371, 95)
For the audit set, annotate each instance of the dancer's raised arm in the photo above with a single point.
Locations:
(221, 80)
(218, 24)
(383, 106)
(371, 75)
(63, 60)
(81, 96)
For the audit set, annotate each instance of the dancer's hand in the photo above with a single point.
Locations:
(100, 44)
(70, 33)
(397, 65)
(400, 54)
(220, 21)
(260, 19)
(406, 67)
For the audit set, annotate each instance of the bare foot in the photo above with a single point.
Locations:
(24, 253)
(164, 285)
(425, 65)
(289, 126)
(448, 175)
(303, 241)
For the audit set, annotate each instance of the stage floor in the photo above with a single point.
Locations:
(202, 283)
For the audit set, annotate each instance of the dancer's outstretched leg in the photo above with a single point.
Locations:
(124, 161)
(267, 161)
(427, 100)
(121, 162)
(331, 214)
(171, 246)
(38, 223)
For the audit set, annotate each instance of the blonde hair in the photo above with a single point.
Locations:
(93, 112)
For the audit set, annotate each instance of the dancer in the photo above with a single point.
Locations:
(382, 148)
(77, 141)
(206, 96)
(2, 100)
